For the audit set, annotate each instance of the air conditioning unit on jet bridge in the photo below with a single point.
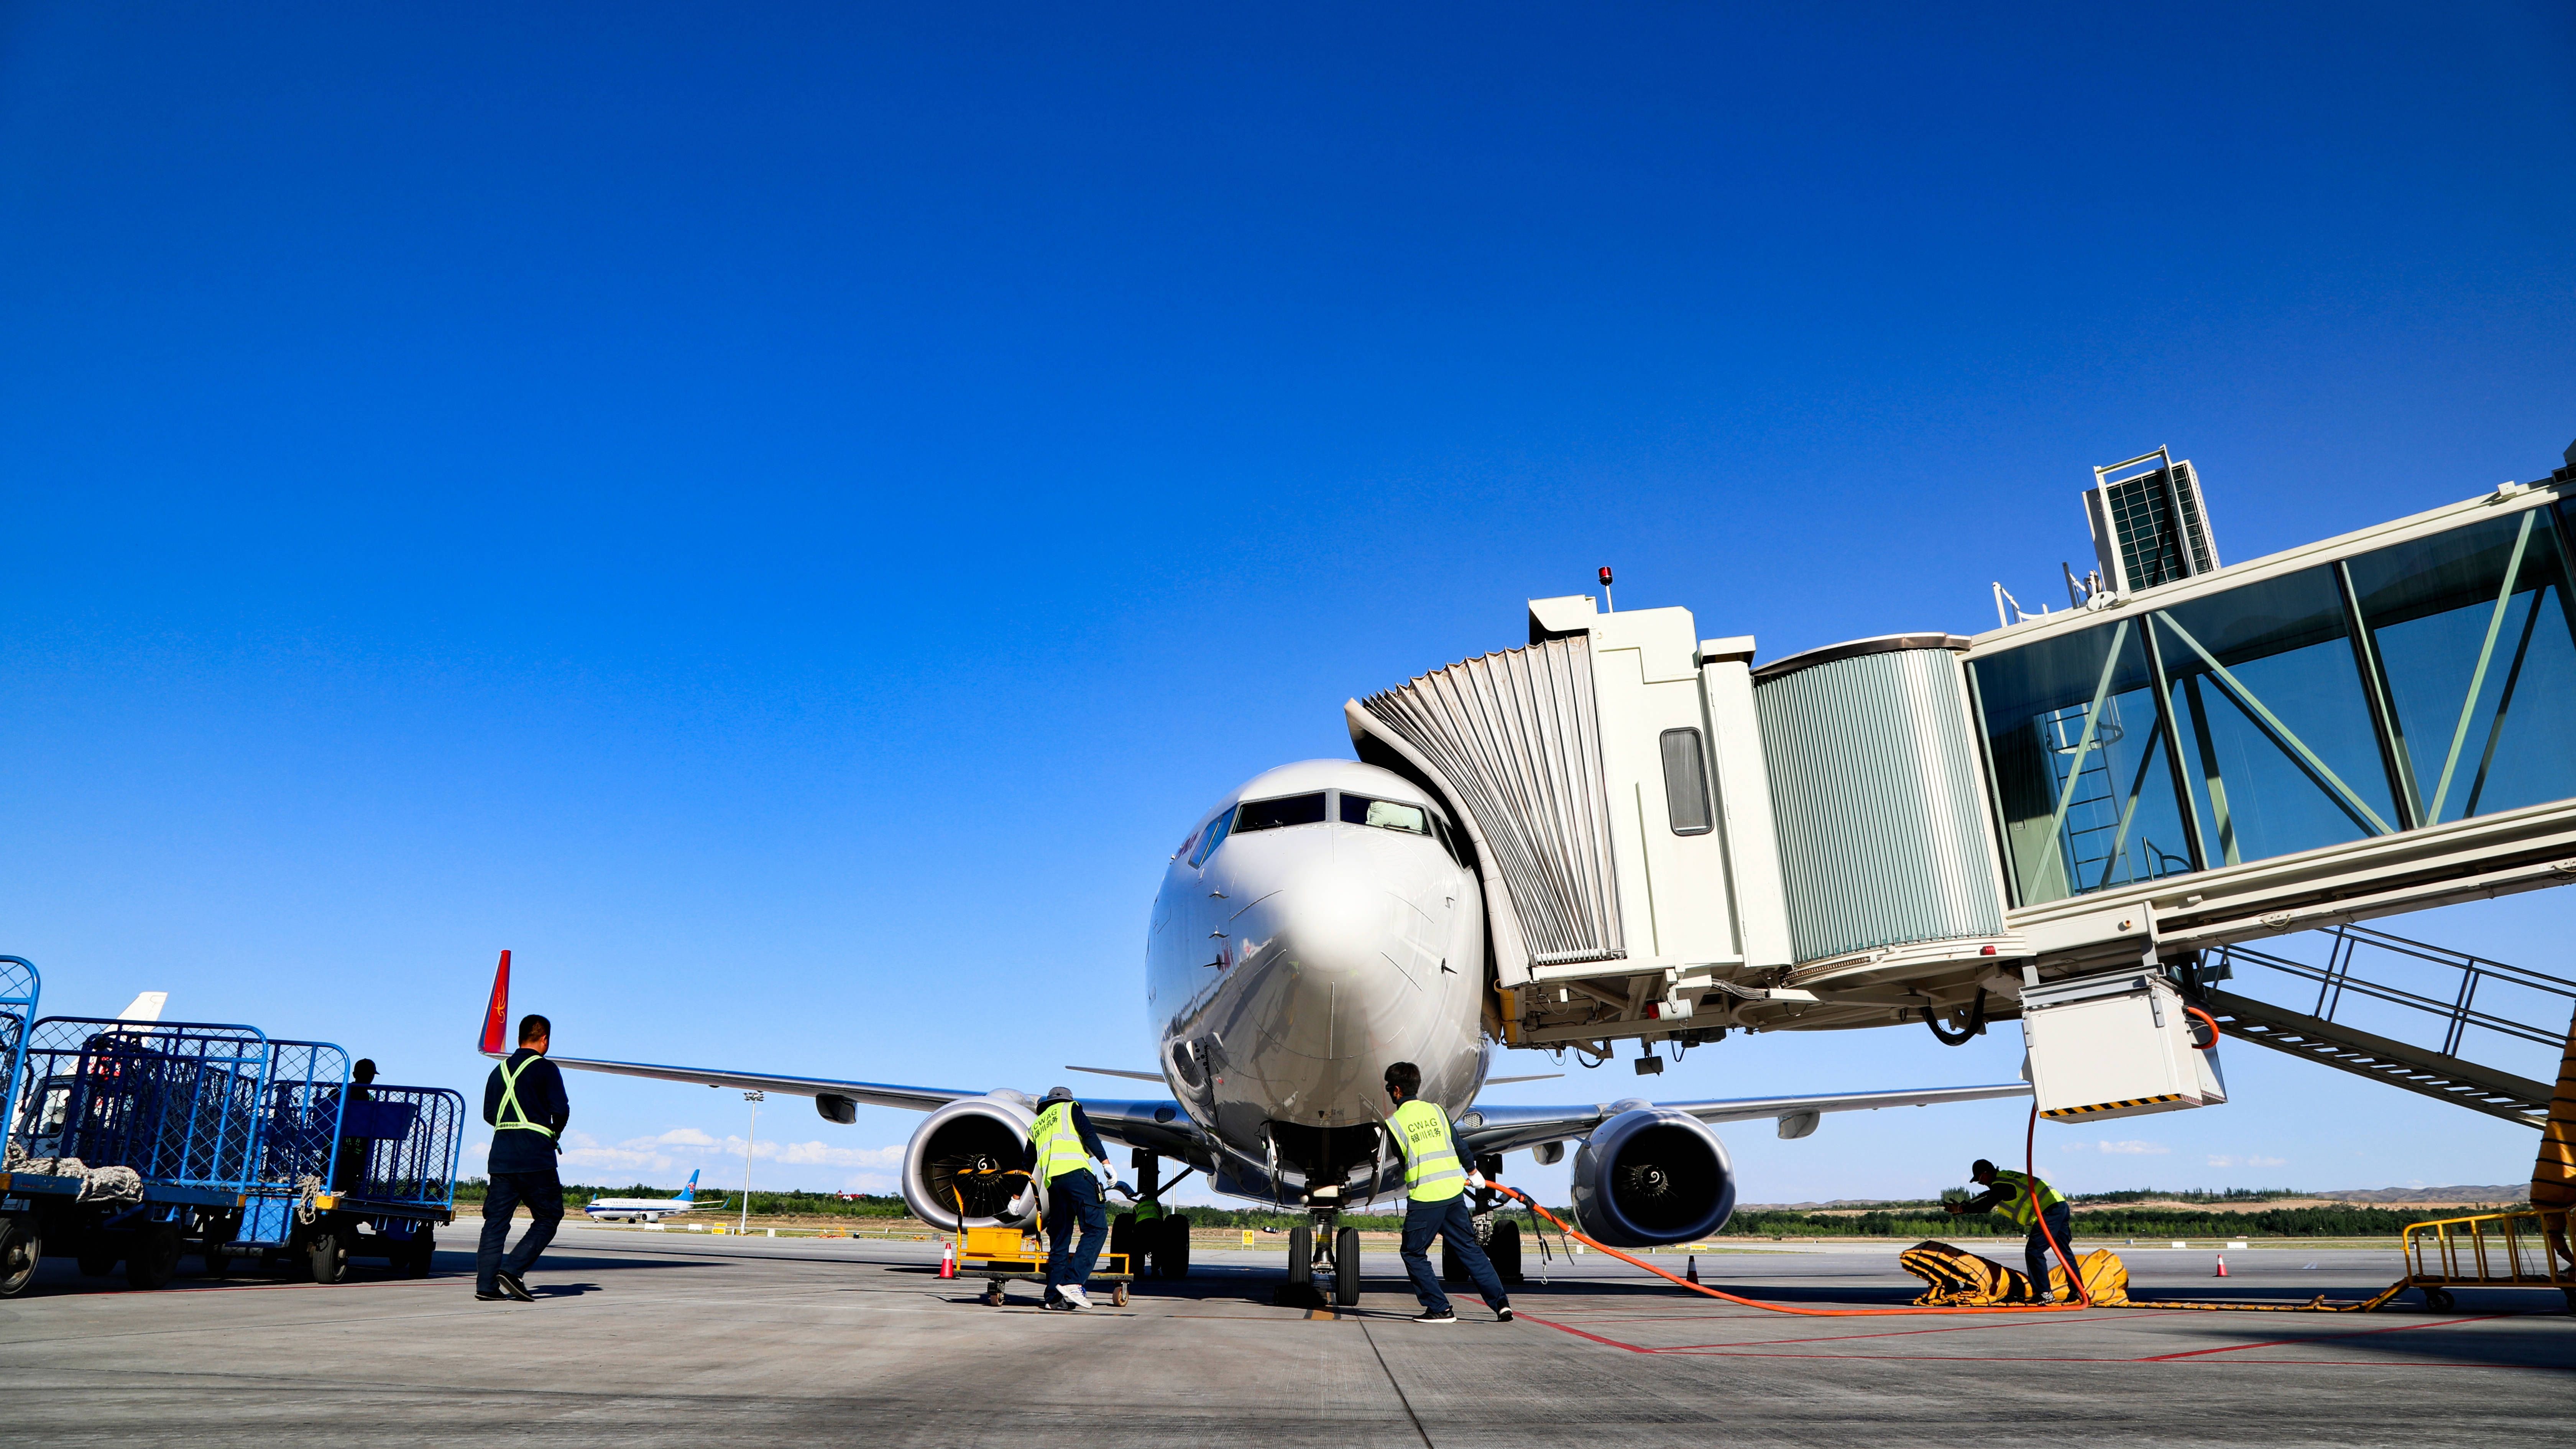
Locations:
(2119, 1044)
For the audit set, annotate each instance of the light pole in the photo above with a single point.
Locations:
(755, 1099)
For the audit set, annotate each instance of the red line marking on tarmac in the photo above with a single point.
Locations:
(2321, 1337)
(1579, 1333)
(1724, 1351)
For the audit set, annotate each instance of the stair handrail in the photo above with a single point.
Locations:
(2337, 977)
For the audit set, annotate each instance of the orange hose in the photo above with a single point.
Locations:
(2030, 1179)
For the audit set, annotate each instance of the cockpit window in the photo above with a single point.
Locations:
(1384, 814)
(1286, 810)
(1212, 837)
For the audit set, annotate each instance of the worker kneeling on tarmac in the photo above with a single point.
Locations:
(1062, 1147)
(1435, 1181)
(2033, 1206)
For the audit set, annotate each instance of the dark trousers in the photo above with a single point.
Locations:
(1451, 1220)
(2035, 1251)
(1074, 1197)
(543, 1193)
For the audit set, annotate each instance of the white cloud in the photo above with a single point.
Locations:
(690, 1147)
(2075, 1147)
(2252, 1160)
(2136, 1148)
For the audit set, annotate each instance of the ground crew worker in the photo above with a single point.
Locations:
(1435, 1182)
(350, 1175)
(2011, 1193)
(525, 1103)
(1062, 1147)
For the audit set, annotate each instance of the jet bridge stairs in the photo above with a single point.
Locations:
(2386, 975)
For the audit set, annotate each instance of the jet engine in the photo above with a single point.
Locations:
(968, 1156)
(1650, 1176)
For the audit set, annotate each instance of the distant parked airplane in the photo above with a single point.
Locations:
(649, 1209)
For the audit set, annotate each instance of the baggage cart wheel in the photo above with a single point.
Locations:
(993, 1296)
(154, 1256)
(415, 1261)
(325, 1257)
(20, 1251)
(96, 1260)
(2438, 1299)
(1172, 1250)
(218, 1262)
(1505, 1251)
(1118, 1295)
(1346, 1268)
(1301, 1257)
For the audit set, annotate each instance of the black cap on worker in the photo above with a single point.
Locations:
(364, 1072)
(1980, 1167)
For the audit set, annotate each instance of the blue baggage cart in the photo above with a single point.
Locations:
(346, 1169)
(21, 1249)
(175, 1105)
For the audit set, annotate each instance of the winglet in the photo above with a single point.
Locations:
(496, 1017)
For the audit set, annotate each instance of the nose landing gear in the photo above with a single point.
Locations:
(1323, 1256)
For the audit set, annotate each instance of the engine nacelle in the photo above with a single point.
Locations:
(1651, 1176)
(968, 1154)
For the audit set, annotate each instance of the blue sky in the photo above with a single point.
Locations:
(783, 518)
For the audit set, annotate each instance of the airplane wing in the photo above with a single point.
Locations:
(1158, 1125)
(1503, 1129)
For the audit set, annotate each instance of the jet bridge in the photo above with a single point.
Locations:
(1675, 841)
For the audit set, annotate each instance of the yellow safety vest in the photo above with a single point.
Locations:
(510, 1107)
(1431, 1170)
(1059, 1145)
(2017, 1207)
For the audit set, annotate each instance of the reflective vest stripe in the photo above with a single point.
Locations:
(1431, 1169)
(510, 1108)
(2018, 1207)
(1059, 1144)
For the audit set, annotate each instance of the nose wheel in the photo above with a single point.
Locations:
(1323, 1258)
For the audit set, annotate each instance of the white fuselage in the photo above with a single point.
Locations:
(642, 1210)
(1290, 965)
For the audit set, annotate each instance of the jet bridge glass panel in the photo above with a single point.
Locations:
(2473, 630)
(2409, 686)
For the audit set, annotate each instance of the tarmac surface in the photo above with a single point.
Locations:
(641, 1340)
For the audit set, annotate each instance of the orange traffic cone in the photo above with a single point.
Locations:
(1694, 1267)
(948, 1260)
(2222, 1266)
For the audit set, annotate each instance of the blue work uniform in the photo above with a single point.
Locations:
(521, 1166)
(1435, 1184)
(1073, 1193)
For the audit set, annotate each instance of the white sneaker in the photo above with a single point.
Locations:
(1075, 1296)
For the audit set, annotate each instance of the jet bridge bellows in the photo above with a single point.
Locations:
(1515, 739)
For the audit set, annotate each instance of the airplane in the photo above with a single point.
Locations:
(649, 1209)
(1317, 924)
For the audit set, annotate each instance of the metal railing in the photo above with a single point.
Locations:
(2505, 1250)
(2458, 1012)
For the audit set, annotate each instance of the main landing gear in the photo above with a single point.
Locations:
(1150, 1236)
